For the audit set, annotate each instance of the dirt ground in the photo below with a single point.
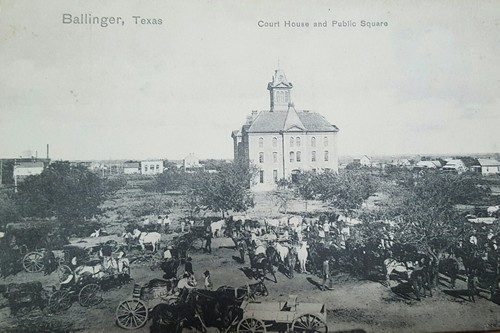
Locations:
(352, 304)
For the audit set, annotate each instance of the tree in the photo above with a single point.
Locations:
(424, 214)
(71, 193)
(228, 189)
(345, 191)
(9, 212)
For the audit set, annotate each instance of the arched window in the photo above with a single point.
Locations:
(261, 157)
(313, 156)
(325, 141)
(292, 157)
(313, 142)
(275, 142)
(326, 155)
(298, 155)
(291, 141)
(275, 157)
(261, 142)
(287, 99)
(297, 141)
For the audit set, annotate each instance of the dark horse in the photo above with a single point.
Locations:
(169, 267)
(197, 309)
(261, 263)
(248, 291)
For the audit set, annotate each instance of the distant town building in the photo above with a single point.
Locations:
(488, 166)
(192, 164)
(363, 161)
(151, 167)
(402, 162)
(131, 167)
(428, 165)
(25, 169)
(456, 165)
(284, 141)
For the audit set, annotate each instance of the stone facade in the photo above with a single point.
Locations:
(284, 141)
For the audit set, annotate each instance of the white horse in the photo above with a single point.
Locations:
(302, 255)
(152, 238)
(492, 210)
(392, 265)
(96, 271)
(216, 227)
(95, 233)
(282, 251)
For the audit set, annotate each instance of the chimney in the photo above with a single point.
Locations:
(47, 151)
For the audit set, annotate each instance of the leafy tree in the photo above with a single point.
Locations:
(345, 191)
(9, 212)
(172, 179)
(70, 193)
(423, 210)
(228, 189)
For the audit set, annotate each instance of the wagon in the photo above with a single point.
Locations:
(87, 290)
(134, 312)
(289, 316)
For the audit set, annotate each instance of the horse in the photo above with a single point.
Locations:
(248, 291)
(302, 255)
(169, 267)
(152, 238)
(216, 227)
(449, 267)
(199, 310)
(95, 233)
(291, 261)
(95, 271)
(392, 265)
(259, 261)
(282, 251)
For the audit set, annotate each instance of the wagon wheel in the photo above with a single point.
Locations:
(33, 262)
(60, 300)
(251, 325)
(113, 244)
(309, 323)
(131, 314)
(63, 273)
(90, 295)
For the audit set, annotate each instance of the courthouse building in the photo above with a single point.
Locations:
(283, 141)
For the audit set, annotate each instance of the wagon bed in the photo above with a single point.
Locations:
(289, 315)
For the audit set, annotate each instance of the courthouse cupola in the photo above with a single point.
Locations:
(280, 91)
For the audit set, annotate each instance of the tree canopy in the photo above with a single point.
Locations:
(68, 192)
(226, 190)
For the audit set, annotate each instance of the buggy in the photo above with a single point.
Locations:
(133, 313)
(289, 316)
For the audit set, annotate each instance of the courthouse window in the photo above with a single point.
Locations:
(275, 157)
(297, 141)
(298, 156)
(313, 142)
(326, 155)
(275, 142)
(292, 156)
(261, 142)
(291, 142)
(275, 175)
(313, 156)
(261, 157)
(325, 141)
(261, 176)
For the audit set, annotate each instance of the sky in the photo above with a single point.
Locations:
(427, 83)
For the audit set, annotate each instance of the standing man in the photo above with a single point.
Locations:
(167, 223)
(208, 240)
(326, 274)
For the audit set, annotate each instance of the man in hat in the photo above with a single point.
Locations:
(208, 281)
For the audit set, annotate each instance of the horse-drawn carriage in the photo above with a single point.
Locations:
(289, 316)
(133, 313)
(23, 246)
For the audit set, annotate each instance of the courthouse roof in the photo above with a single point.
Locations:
(276, 121)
